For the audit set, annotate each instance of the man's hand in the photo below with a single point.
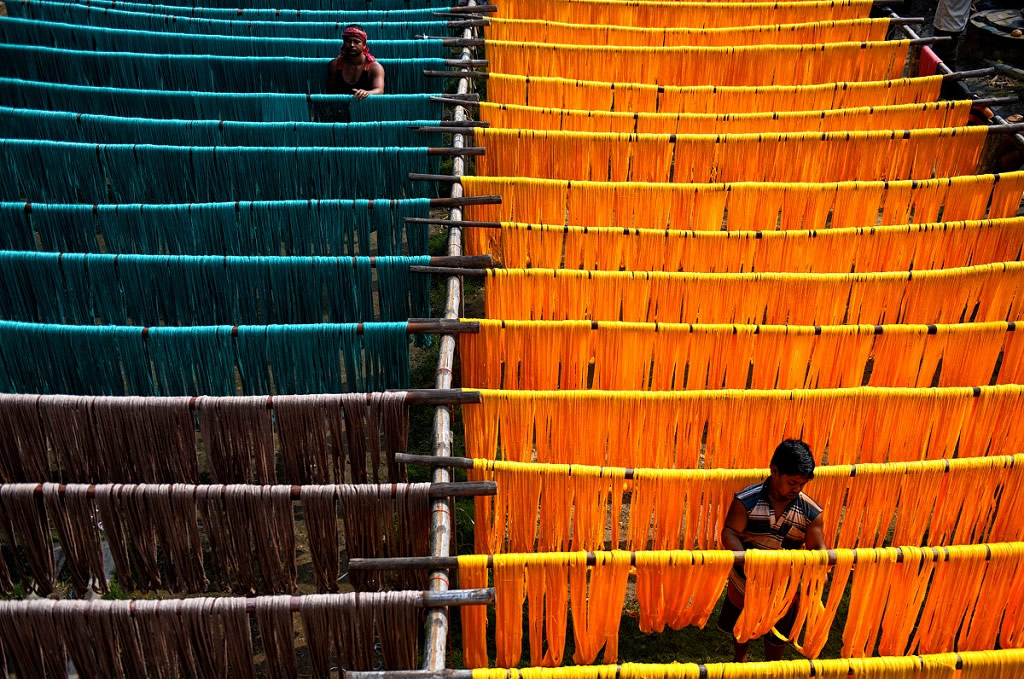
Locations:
(359, 95)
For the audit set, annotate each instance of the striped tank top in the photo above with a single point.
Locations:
(765, 530)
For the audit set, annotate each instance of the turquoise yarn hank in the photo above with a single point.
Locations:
(122, 173)
(193, 361)
(90, 15)
(239, 107)
(386, 353)
(296, 227)
(320, 5)
(28, 123)
(101, 38)
(22, 7)
(198, 72)
(186, 289)
(403, 294)
(333, 14)
(60, 359)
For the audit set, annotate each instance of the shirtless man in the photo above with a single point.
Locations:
(355, 71)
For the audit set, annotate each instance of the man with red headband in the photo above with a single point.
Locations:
(355, 71)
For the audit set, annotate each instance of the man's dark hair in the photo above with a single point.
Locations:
(793, 458)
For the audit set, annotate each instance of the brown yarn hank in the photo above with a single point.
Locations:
(116, 534)
(277, 632)
(387, 520)
(23, 451)
(75, 517)
(131, 453)
(272, 522)
(92, 647)
(172, 509)
(238, 438)
(313, 610)
(320, 512)
(389, 414)
(398, 627)
(344, 628)
(23, 649)
(207, 636)
(159, 637)
(131, 439)
(68, 424)
(307, 453)
(225, 523)
(27, 527)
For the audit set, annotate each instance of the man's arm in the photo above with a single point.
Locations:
(814, 537)
(735, 524)
(377, 73)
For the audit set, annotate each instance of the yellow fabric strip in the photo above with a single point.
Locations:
(532, 30)
(712, 207)
(637, 97)
(686, 508)
(543, 355)
(926, 296)
(900, 116)
(667, 429)
(784, 157)
(864, 249)
(746, 65)
(955, 590)
(692, 14)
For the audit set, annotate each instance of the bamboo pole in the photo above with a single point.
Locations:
(416, 562)
(455, 597)
(449, 271)
(453, 151)
(441, 524)
(452, 222)
(437, 490)
(460, 200)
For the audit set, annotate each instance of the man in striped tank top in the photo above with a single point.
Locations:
(774, 514)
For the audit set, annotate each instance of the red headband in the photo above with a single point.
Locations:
(352, 31)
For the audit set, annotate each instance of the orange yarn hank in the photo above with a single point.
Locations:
(678, 356)
(693, 14)
(971, 588)
(900, 116)
(976, 500)
(570, 93)
(784, 157)
(877, 248)
(536, 30)
(682, 429)
(712, 207)
(728, 66)
(990, 291)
